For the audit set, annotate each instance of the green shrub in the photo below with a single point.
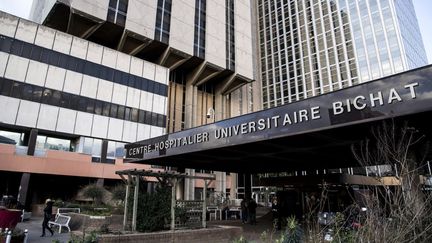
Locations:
(293, 232)
(94, 192)
(154, 210)
(119, 193)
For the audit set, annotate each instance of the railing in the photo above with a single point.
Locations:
(188, 214)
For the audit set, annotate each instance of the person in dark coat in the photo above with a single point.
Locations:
(47, 217)
(275, 211)
(252, 205)
(244, 211)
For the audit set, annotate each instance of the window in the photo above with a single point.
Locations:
(120, 150)
(117, 10)
(97, 147)
(200, 24)
(111, 149)
(45, 142)
(163, 21)
(229, 31)
(57, 98)
(17, 137)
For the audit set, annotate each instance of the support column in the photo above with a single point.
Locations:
(126, 201)
(248, 185)
(190, 104)
(173, 202)
(233, 186)
(104, 151)
(23, 189)
(135, 204)
(189, 186)
(32, 142)
(220, 183)
(204, 214)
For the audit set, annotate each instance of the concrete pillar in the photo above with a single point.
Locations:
(180, 188)
(220, 183)
(233, 191)
(126, 202)
(135, 203)
(104, 151)
(190, 104)
(248, 185)
(173, 202)
(189, 186)
(32, 142)
(186, 189)
(23, 189)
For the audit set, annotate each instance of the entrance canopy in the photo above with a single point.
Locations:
(310, 134)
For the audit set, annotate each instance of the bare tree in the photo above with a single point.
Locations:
(399, 211)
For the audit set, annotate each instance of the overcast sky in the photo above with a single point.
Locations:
(423, 9)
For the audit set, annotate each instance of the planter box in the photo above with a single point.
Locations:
(89, 223)
(9, 218)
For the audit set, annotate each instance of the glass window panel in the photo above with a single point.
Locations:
(40, 142)
(27, 92)
(106, 109)
(120, 112)
(113, 112)
(16, 90)
(57, 144)
(111, 149)
(98, 107)
(119, 150)
(17, 137)
(97, 147)
(88, 145)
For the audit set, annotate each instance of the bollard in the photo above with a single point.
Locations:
(9, 236)
(25, 235)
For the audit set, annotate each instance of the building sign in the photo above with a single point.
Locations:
(389, 97)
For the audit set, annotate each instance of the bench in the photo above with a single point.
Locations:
(60, 221)
(25, 215)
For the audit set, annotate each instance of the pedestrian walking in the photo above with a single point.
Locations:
(244, 211)
(47, 217)
(251, 206)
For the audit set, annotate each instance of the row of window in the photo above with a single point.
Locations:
(57, 98)
(86, 145)
(58, 59)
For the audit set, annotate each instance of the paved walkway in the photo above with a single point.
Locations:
(253, 233)
(34, 227)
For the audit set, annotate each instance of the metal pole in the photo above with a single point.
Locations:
(135, 204)
(25, 235)
(173, 202)
(126, 205)
(9, 236)
(429, 167)
(204, 209)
